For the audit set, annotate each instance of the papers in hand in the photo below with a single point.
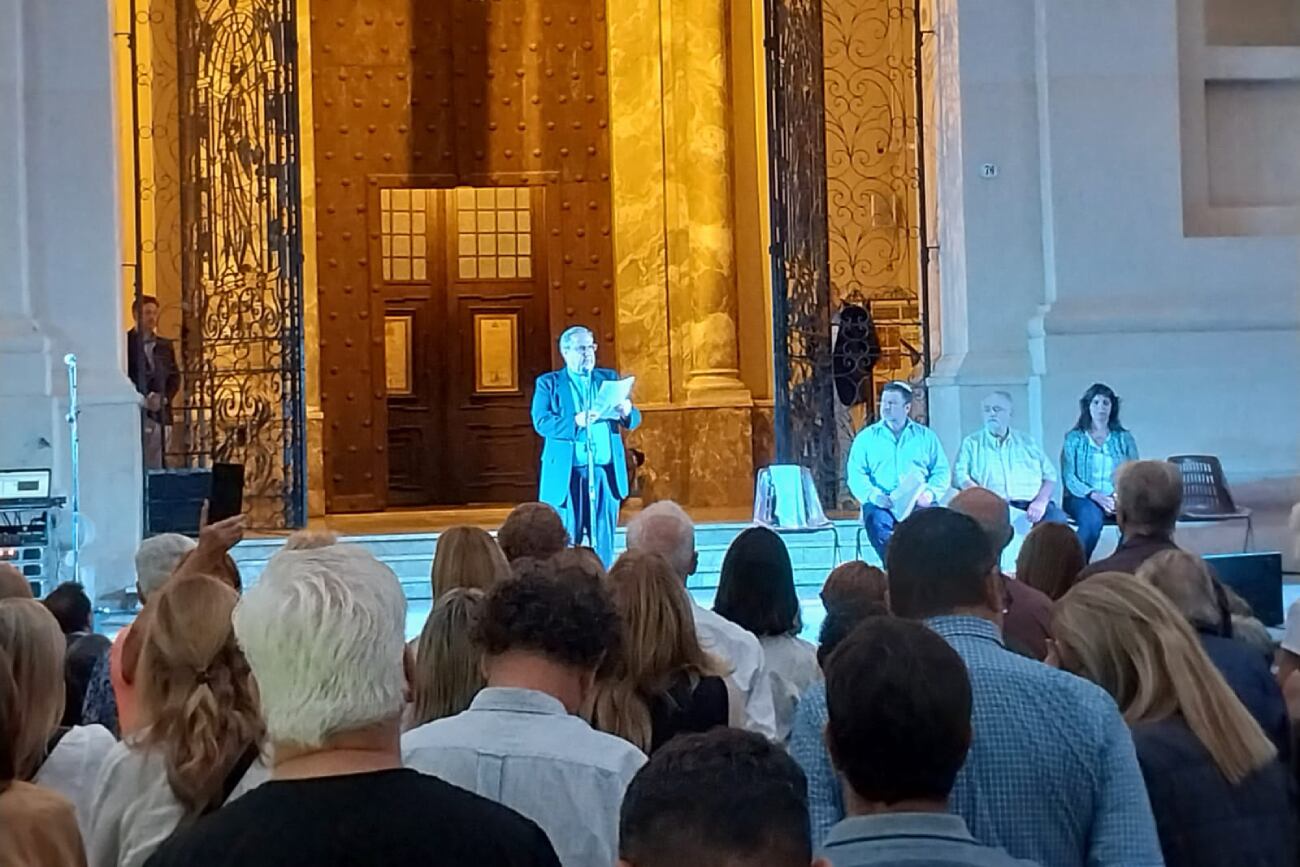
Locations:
(611, 394)
(906, 494)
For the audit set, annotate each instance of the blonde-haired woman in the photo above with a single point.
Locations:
(1219, 793)
(467, 557)
(38, 825)
(447, 670)
(660, 683)
(66, 760)
(200, 735)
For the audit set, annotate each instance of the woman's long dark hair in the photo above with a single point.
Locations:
(1085, 407)
(756, 589)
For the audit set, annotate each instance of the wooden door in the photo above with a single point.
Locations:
(463, 347)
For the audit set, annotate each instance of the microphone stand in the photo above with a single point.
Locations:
(74, 412)
(591, 466)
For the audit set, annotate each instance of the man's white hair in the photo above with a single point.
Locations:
(323, 633)
(566, 339)
(157, 558)
(665, 528)
(1005, 395)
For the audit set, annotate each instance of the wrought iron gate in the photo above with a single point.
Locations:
(847, 171)
(237, 250)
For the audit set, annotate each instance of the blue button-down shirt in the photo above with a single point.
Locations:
(1013, 467)
(1052, 775)
(878, 460)
(584, 393)
(521, 748)
(1088, 467)
(922, 839)
(808, 747)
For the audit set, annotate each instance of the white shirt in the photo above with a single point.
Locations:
(521, 748)
(792, 668)
(135, 810)
(739, 648)
(73, 766)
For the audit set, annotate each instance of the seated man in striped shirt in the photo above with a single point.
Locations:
(1009, 463)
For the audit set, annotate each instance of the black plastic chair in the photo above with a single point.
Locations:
(1206, 496)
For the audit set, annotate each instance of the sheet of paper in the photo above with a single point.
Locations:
(610, 395)
(906, 494)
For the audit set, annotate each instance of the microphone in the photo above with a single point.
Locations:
(70, 360)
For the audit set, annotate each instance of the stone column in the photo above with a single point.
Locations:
(700, 133)
(990, 244)
(59, 290)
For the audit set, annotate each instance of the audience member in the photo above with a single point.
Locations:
(807, 735)
(71, 607)
(532, 530)
(37, 825)
(1094, 449)
(467, 556)
(664, 528)
(323, 633)
(1246, 627)
(1050, 559)
(756, 591)
(579, 564)
(1009, 463)
(661, 682)
(155, 561)
(893, 457)
(65, 760)
(853, 582)
(542, 639)
(1026, 612)
(200, 733)
(1051, 775)
(898, 730)
(12, 583)
(726, 799)
(307, 540)
(837, 625)
(1219, 793)
(1185, 580)
(448, 664)
(1148, 500)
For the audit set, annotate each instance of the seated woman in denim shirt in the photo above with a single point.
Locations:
(1093, 451)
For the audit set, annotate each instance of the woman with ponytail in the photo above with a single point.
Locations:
(1219, 793)
(198, 745)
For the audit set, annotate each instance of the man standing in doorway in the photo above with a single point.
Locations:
(151, 365)
(890, 457)
(584, 467)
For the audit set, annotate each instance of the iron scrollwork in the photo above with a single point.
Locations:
(801, 308)
(241, 252)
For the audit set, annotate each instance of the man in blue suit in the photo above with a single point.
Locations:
(584, 467)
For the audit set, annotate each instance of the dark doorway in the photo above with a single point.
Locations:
(466, 333)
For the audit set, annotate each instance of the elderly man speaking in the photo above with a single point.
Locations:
(1008, 463)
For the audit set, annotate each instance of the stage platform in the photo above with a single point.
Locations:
(406, 539)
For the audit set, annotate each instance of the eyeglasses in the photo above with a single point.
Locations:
(591, 347)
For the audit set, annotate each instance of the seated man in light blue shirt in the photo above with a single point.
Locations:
(1051, 775)
(543, 637)
(1008, 463)
(889, 456)
(899, 726)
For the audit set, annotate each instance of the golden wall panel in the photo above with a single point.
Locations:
(699, 457)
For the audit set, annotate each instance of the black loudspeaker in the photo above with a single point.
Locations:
(1257, 578)
(176, 497)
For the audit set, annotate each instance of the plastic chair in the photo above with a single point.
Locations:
(785, 501)
(1206, 496)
